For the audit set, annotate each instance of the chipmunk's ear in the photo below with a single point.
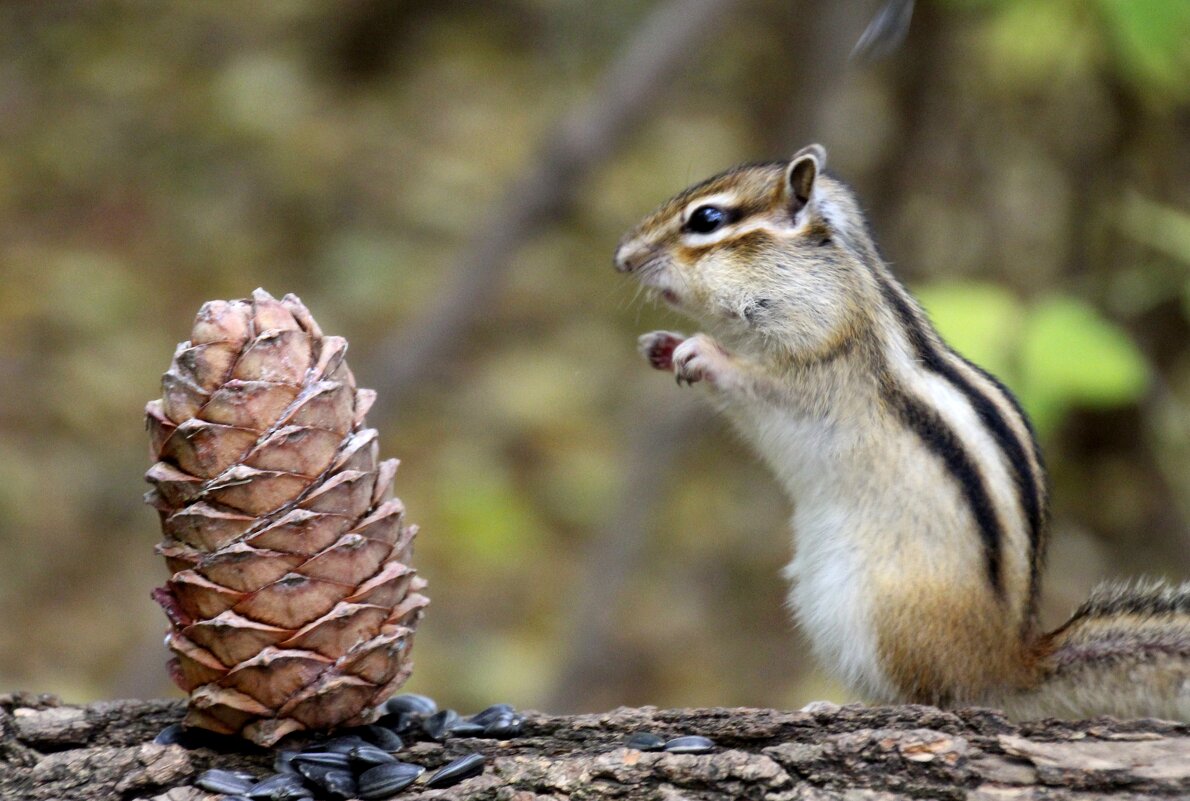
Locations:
(801, 173)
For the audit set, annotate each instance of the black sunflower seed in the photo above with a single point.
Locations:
(645, 741)
(315, 773)
(691, 744)
(337, 745)
(326, 759)
(382, 738)
(504, 727)
(454, 772)
(466, 728)
(437, 726)
(383, 781)
(279, 787)
(367, 756)
(400, 723)
(339, 784)
(376, 735)
(192, 738)
(288, 793)
(224, 781)
(411, 702)
(494, 711)
(172, 734)
(283, 763)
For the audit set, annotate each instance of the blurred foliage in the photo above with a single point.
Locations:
(1026, 164)
(1167, 231)
(1141, 41)
(1149, 38)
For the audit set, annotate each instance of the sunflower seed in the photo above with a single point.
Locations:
(315, 773)
(645, 741)
(192, 738)
(492, 712)
(369, 756)
(337, 745)
(504, 727)
(382, 738)
(224, 781)
(289, 793)
(339, 784)
(279, 787)
(284, 762)
(691, 744)
(454, 772)
(326, 759)
(376, 735)
(400, 723)
(173, 734)
(411, 702)
(466, 728)
(383, 781)
(437, 726)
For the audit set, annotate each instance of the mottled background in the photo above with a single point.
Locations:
(443, 184)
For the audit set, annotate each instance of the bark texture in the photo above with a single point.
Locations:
(105, 751)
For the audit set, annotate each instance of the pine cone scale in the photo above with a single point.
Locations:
(300, 531)
(233, 639)
(206, 528)
(301, 450)
(206, 449)
(335, 633)
(246, 569)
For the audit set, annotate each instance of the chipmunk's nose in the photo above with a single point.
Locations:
(629, 257)
(623, 264)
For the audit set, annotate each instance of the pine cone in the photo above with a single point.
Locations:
(291, 602)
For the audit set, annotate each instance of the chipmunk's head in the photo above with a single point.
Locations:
(769, 253)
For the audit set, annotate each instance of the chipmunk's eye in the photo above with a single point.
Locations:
(705, 219)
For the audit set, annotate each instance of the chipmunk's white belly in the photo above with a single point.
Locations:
(831, 570)
(827, 597)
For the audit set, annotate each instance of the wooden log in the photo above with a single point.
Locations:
(50, 750)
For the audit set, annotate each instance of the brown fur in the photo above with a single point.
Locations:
(949, 645)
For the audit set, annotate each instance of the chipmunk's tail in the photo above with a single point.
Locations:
(1125, 652)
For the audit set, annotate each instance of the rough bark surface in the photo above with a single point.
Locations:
(50, 750)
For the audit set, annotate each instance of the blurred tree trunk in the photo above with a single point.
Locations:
(592, 663)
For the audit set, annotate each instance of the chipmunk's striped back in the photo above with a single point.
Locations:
(919, 491)
(973, 430)
(1000, 416)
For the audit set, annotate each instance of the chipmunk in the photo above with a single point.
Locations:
(919, 492)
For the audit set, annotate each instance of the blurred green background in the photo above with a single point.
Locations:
(443, 183)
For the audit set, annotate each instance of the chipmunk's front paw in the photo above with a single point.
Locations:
(701, 358)
(658, 347)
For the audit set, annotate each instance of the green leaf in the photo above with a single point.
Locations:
(1071, 355)
(1150, 38)
(1057, 355)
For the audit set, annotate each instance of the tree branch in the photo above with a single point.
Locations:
(665, 41)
